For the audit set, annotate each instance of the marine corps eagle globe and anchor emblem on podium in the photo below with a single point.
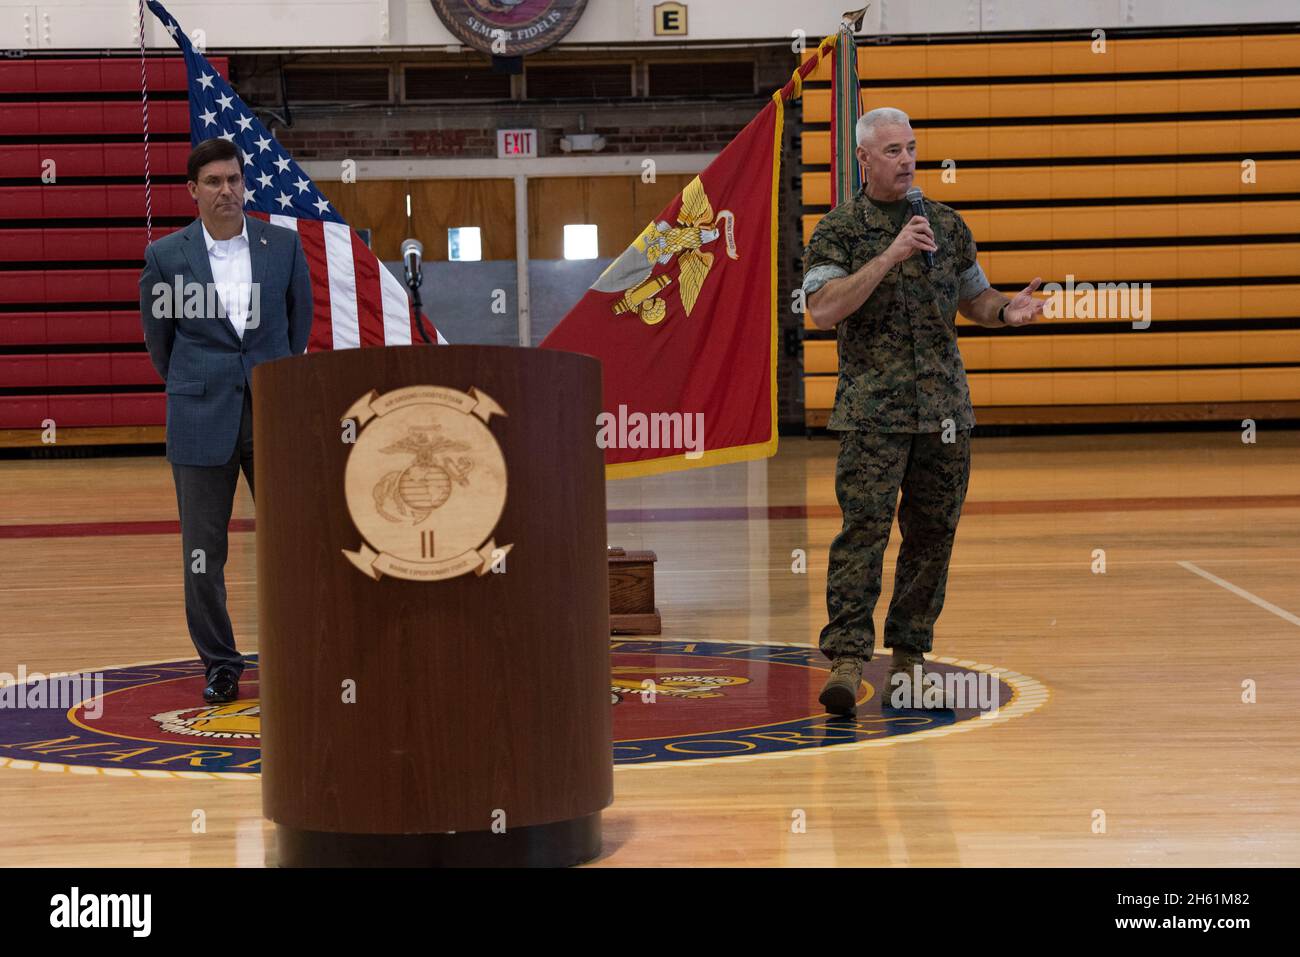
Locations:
(425, 483)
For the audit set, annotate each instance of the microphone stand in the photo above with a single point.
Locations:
(413, 280)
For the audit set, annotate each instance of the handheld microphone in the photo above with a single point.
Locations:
(918, 209)
(412, 250)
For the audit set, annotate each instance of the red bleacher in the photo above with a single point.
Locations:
(45, 298)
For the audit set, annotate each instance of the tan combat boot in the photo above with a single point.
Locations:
(840, 693)
(904, 661)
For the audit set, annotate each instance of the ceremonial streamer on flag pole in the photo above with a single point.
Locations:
(685, 320)
(846, 100)
(356, 300)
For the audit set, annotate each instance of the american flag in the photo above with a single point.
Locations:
(356, 300)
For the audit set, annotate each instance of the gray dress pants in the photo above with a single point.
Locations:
(206, 497)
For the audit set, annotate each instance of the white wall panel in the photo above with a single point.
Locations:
(302, 24)
(18, 26)
(1076, 15)
(258, 24)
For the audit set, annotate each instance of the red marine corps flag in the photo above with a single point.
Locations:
(684, 321)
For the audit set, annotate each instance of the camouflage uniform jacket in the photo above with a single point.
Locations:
(900, 369)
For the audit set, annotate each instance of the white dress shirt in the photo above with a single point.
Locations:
(232, 274)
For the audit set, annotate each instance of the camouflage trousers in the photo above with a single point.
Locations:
(872, 468)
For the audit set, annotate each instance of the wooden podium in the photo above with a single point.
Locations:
(433, 606)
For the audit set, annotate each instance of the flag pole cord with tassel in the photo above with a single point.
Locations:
(794, 89)
(144, 110)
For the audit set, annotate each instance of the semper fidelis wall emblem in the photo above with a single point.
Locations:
(509, 27)
(425, 483)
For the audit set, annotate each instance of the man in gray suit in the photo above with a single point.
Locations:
(217, 298)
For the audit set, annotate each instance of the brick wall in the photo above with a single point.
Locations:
(322, 140)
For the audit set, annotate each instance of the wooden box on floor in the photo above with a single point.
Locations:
(632, 608)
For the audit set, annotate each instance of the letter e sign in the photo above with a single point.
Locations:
(670, 19)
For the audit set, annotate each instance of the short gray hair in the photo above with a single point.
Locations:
(868, 122)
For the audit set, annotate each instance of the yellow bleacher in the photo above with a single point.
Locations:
(1056, 167)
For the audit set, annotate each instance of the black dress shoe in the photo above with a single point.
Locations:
(223, 687)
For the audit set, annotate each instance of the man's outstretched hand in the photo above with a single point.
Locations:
(1024, 308)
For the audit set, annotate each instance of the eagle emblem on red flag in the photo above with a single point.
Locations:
(658, 245)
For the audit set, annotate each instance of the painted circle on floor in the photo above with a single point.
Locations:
(673, 702)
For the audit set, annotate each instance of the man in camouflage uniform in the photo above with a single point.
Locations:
(902, 406)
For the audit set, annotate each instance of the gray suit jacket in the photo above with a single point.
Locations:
(195, 348)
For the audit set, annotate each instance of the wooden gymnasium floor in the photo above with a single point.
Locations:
(1143, 665)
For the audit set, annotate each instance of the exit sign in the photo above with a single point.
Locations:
(516, 144)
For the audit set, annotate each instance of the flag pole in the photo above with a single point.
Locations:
(144, 110)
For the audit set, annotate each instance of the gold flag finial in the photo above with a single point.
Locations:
(855, 17)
